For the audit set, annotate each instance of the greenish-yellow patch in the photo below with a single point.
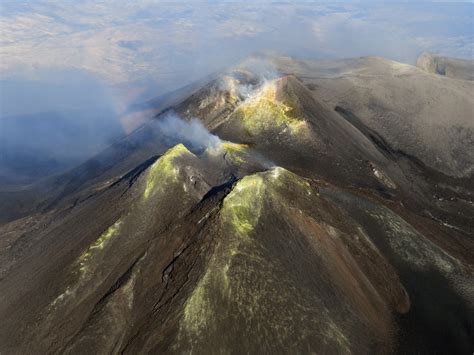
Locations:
(234, 147)
(264, 111)
(282, 178)
(99, 244)
(198, 310)
(164, 170)
(84, 265)
(243, 205)
(241, 209)
(235, 255)
(238, 152)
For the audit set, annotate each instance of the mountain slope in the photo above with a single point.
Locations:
(303, 228)
(451, 67)
(427, 116)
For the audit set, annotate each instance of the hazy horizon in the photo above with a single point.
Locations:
(71, 70)
(143, 49)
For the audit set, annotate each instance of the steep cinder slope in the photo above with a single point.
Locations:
(425, 115)
(305, 230)
(273, 233)
(85, 252)
(190, 257)
(283, 121)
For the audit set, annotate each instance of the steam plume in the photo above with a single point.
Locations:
(248, 77)
(191, 133)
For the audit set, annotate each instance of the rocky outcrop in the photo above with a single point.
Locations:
(450, 67)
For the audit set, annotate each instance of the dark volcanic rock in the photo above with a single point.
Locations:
(307, 229)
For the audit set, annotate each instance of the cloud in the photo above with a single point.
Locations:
(360, 36)
(172, 44)
(142, 49)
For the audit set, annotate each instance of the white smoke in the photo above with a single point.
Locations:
(246, 79)
(191, 133)
(263, 69)
(242, 82)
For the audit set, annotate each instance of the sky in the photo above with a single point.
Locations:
(153, 47)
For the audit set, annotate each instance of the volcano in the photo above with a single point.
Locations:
(332, 213)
